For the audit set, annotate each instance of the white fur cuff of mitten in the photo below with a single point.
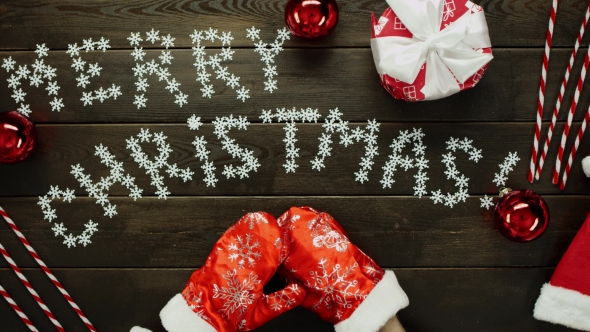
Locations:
(139, 329)
(586, 166)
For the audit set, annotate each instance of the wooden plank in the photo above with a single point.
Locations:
(395, 231)
(65, 145)
(306, 78)
(440, 299)
(58, 22)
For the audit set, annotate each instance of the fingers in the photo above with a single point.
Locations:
(284, 300)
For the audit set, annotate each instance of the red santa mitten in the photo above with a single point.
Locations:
(226, 293)
(344, 286)
(565, 299)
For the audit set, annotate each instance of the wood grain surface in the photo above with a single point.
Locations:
(396, 231)
(440, 299)
(316, 78)
(59, 22)
(65, 145)
(459, 272)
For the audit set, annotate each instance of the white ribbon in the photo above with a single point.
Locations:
(448, 53)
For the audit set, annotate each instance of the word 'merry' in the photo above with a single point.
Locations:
(208, 67)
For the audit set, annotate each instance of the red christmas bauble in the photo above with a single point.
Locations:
(18, 137)
(311, 18)
(522, 215)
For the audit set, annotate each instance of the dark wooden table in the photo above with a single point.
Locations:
(459, 272)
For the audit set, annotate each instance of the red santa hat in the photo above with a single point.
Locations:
(565, 299)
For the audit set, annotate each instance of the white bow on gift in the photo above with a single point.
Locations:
(448, 53)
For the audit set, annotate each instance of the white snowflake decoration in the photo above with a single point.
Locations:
(461, 182)
(101, 94)
(100, 189)
(8, 64)
(194, 122)
(222, 126)
(395, 160)
(152, 36)
(334, 123)
(202, 62)
(290, 116)
(486, 202)
(135, 39)
(59, 229)
(253, 33)
(506, 167)
(41, 73)
(501, 177)
(268, 52)
(155, 68)
(200, 144)
(161, 161)
(41, 50)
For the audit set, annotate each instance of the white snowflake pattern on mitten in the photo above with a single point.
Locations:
(237, 294)
(335, 285)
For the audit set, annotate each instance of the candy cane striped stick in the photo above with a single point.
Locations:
(17, 309)
(572, 156)
(561, 91)
(46, 270)
(541, 99)
(25, 282)
(570, 117)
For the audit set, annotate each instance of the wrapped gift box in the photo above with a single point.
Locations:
(430, 49)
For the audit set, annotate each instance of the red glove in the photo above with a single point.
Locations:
(344, 286)
(226, 293)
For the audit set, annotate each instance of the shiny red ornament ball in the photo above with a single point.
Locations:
(311, 18)
(18, 137)
(522, 215)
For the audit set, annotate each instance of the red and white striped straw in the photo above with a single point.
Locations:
(561, 92)
(25, 282)
(46, 270)
(17, 309)
(572, 156)
(570, 117)
(541, 99)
